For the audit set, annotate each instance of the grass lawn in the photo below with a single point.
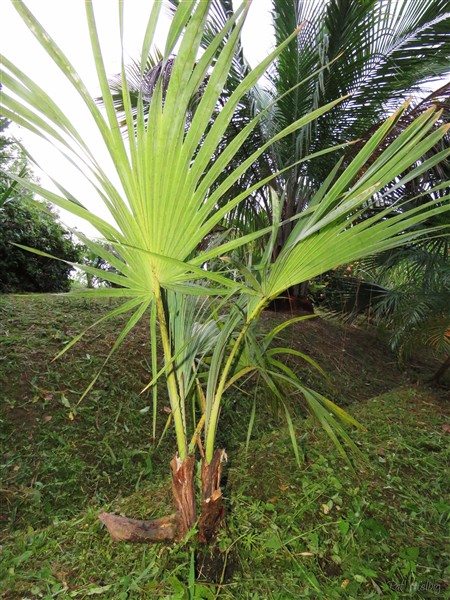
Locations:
(319, 531)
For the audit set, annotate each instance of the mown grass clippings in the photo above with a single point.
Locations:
(318, 531)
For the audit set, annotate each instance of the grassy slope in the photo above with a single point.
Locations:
(318, 531)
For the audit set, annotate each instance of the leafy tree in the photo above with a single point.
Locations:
(8, 161)
(5, 142)
(90, 258)
(172, 196)
(26, 222)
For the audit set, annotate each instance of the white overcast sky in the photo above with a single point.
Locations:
(65, 21)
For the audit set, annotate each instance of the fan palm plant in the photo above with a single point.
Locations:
(168, 201)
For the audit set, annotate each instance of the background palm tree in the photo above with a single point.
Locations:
(406, 292)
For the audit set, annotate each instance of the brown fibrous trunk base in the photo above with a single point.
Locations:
(123, 529)
(184, 493)
(176, 526)
(213, 510)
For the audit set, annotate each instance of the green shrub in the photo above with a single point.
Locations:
(25, 222)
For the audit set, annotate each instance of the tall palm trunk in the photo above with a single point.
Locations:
(293, 204)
